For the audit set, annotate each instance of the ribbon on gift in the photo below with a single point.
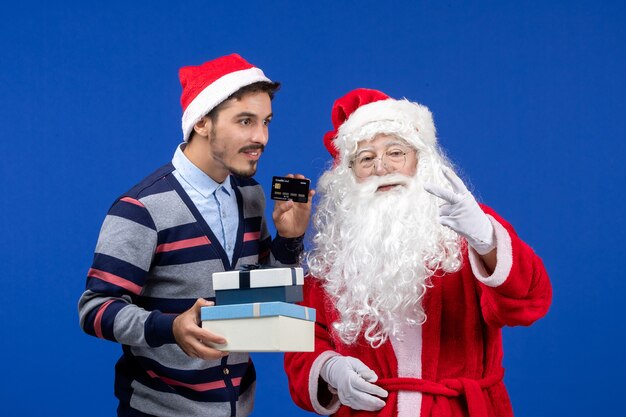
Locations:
(294, 280)
(250, 267)
(244, 275)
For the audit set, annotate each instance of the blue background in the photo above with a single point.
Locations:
(528, 99)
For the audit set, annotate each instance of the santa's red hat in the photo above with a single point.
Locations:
(206, 86)
(363, 113)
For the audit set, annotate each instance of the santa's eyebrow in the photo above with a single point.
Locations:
(397, 142)
(386, 145)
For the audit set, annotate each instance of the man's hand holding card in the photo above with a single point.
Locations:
(292, 207)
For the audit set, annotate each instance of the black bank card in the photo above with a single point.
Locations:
(294, 189)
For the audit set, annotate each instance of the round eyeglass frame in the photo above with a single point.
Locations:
(368, 171)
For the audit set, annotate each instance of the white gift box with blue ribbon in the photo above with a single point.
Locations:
(258, 285)
(262, 327)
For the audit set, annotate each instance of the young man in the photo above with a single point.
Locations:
(162, 240)
(412, 279)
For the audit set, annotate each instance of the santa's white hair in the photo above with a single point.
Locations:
(377, 251)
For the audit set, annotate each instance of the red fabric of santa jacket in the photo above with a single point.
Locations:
(452, 364)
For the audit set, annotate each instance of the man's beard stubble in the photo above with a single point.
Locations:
(233, 170)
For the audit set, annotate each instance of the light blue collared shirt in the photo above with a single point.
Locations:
(216, 202)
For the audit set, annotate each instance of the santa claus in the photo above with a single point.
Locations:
(411, 278)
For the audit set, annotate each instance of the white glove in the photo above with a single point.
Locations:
(461, 213)
(351, 378)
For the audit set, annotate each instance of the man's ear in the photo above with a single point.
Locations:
(203, 126)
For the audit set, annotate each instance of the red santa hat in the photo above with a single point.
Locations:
(363, 113)
(206, 86)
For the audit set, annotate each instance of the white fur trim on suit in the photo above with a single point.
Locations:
(215, 93)
(314, 377)
(413, 121)
(505, 258)
(408, 350)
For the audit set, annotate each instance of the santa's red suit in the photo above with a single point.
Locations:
(452, 364)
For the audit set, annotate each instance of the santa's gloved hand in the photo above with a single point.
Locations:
(461, 213)
(352, 380)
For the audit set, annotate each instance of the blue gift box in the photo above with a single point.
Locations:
(241, 311)
(261, 327)
(287, 294)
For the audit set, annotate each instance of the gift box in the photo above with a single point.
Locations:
(258, 285)
(257, 278)
(262, 327)
(286, 294)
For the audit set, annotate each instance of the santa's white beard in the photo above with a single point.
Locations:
(376, 252)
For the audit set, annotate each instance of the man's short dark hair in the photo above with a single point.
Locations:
(261, 86)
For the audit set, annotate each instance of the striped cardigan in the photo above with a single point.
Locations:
(154, 257)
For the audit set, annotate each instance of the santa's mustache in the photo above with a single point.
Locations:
(373, 183)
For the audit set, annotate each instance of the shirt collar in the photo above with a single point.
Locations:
(195, 177)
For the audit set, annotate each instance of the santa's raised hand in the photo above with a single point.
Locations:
(461, 213)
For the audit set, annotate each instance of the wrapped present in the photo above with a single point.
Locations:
(262, 327)
(257, 278)
(258, 285)
(286, 294)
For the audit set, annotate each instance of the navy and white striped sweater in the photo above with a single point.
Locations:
(154, 257)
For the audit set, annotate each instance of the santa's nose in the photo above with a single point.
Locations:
(380, 168)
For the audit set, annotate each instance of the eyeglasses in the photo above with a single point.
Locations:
(393, 160)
